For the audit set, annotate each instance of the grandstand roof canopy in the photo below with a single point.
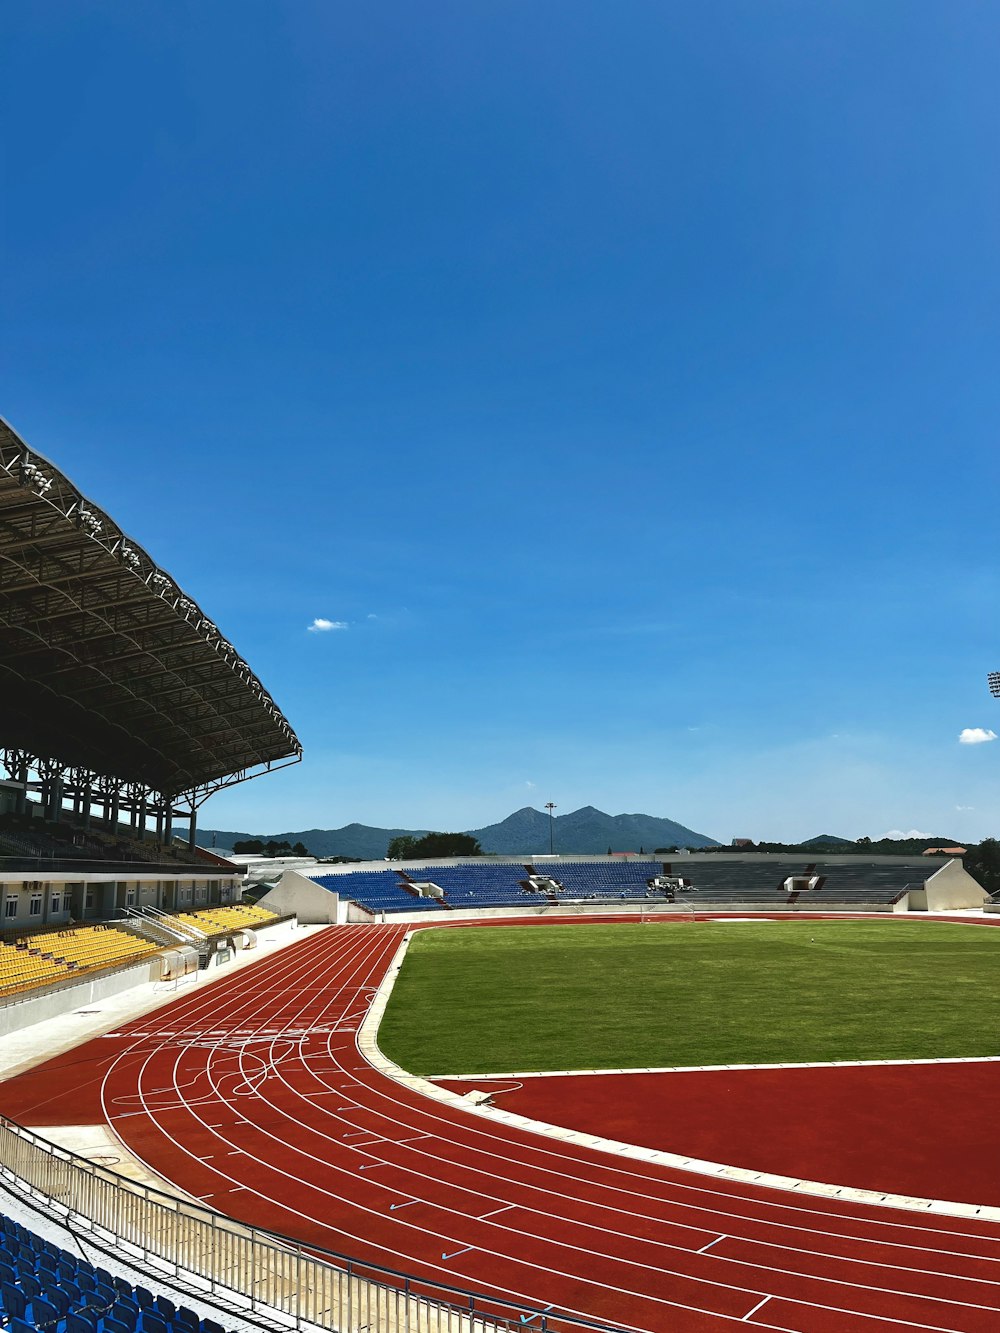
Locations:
(105, 663)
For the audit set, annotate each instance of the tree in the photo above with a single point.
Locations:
(408, 848)
(983, 864)
(400, 848)
(249, 847)
(300, 850)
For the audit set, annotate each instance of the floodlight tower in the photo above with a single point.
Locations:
(993, 681)
(550, 806)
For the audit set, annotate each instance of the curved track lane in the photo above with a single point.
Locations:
(253, 1097)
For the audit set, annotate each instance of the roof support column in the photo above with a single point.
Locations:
(22, 777)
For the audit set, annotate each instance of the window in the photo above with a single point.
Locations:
(88, 900)
(185, 895)
(35, 905)
(130, 897)
(10, 906)
(201, 893)
(56, 902)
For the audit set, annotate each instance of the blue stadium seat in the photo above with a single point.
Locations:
(45, 1315)
(81, 1321)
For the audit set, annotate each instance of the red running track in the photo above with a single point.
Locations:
(906, 1133)
(252, 1096)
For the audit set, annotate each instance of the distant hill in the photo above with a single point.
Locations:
(586, 832)
(355, 840)
(844, 846)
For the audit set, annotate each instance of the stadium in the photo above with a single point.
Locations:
(556, 1093)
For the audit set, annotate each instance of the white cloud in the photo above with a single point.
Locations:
(975, 736)
(320, 625)
(897, 833)
(965, 807)
(529, 784)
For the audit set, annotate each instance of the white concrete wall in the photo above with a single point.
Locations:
(951, 888)
(311, 903)
(612, 907)
(22, 1013)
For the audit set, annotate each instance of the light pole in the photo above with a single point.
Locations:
(550, 806)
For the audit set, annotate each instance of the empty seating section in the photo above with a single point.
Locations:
(95, 946)
(719, 881)
(490, 885)
(219, 920)
(21, 970)
(24, 836)
(56, 955)
(378, 890)
(602, 879)
(45, 1287)
(711, 881)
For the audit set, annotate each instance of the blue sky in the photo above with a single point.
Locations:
(622, 377)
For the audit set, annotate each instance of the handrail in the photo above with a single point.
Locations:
(251, 1268)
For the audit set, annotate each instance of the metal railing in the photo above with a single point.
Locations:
(257, 1272)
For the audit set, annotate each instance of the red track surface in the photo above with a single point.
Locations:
(899, 1138)
(252, 1096)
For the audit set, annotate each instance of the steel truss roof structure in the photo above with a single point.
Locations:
(106, 665)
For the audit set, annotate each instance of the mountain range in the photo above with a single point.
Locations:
(588, 832)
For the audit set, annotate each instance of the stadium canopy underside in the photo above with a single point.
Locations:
(109, 672)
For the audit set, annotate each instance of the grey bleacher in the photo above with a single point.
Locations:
(717, 880)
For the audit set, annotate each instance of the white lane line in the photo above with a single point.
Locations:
(506, 1206)
(708, 1069)
(705, 1248)
(455, 1253)
(755, 1309)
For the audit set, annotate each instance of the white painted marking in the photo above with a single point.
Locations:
(755, 1309)
(504, 1209)
(455, 1253)
(705, 1248)
(706, 1069)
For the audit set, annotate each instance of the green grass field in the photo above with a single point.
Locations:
(609, 997)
